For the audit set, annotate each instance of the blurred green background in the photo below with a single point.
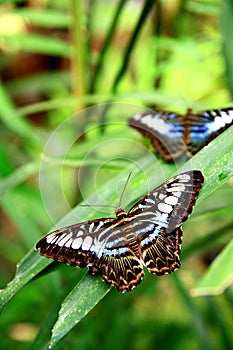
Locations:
(58, 57)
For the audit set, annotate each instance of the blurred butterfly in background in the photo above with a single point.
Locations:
(174, 135)
(149, 235)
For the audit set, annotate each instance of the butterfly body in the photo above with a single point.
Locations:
(175, 135)
(149, 235)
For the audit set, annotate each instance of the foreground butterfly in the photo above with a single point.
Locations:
(149, 235)
(174, 135)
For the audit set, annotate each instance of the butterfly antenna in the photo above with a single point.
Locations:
(126, 183)
(96, 205)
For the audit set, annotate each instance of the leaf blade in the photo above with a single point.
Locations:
(82, 299)
(219, 276)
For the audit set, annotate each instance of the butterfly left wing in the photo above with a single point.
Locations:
(165, 129)
(98, 245)
(159, 217)
(123, 271)
(206, 126)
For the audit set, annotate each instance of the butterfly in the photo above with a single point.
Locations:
(149, 235)
(174, 135)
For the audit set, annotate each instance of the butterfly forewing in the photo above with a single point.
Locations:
(174, 135)
(149, 234)
(207, 126)
(98, 245)
(159, 217)
(164, 129)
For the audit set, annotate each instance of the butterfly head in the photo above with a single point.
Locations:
(120, 212)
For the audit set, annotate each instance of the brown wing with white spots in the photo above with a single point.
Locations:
(165, 130)
(98, 245)
(159, 218)
(206, 126)
(174, 135)
(123, 271)
(73, 245)
(163, 255)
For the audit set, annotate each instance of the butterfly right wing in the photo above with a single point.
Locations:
(98, 245)
(206, 126)
(165, 129)
(158, 218)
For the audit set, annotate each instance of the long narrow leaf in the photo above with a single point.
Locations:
(129, 49)
(38, 43)
(78, 303)
(219, 275)
(107, 42)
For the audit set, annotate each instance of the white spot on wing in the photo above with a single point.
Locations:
(220, 121)
(77, 243)
(68, 243)
(79, 233)
(217, 124)
(156, 123)
(50, 238)
(184, 177)
(172, 200)
(99, 226)
(177, 194)
(161, 196)
(177, 188)
(165, 208)
(91, 227)
(149, 200)
(137, 117)
(227, 116)
(87, 242)
(62, 241)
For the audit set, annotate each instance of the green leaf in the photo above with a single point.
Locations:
(37, 43)
(26, 270)
(129, 48)
(16, 124)
(199, 326)
(44, 334)
(19, 175)
(87, 293)
(39, 17)
(218, 276)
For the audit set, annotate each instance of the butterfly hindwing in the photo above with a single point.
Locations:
(124, 272)
(162, 256)
(148, 235)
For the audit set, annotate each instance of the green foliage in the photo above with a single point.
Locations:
(169, 55)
